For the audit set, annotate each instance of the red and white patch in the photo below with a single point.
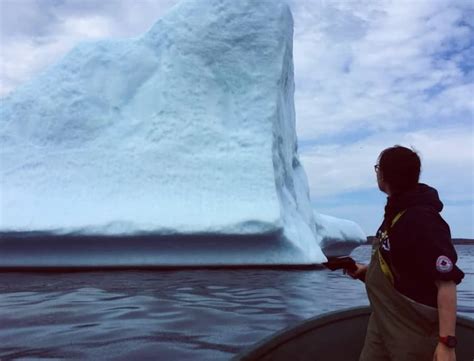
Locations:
(444, 264)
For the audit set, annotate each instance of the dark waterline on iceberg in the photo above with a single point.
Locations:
(172, 315)
(49, 251)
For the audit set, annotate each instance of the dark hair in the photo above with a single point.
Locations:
(400, 168)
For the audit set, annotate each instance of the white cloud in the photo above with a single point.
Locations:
(91, 27)
(447, 160)
(380, 65)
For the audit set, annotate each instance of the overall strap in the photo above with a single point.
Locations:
(383, 264)
(397, 217)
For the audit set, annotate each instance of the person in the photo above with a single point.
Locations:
(412, 276)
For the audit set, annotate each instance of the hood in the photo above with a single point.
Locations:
(423, 195)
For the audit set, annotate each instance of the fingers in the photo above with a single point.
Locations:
(350, 274)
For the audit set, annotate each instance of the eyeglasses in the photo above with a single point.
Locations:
(376, 167)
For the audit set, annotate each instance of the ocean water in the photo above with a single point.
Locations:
(172, 315)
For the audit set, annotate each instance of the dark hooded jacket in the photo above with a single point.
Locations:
(419, 249)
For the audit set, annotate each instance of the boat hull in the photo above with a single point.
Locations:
(336, 336)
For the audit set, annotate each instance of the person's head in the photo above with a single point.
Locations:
(398, 169)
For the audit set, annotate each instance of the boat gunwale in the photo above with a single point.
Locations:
(270, 343)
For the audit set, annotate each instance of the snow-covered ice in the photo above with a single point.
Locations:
(178, 147)
(339, 236)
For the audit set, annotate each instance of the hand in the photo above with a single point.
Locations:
(359, 273)
(444, 353)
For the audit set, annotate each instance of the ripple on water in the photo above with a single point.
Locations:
(181, 315)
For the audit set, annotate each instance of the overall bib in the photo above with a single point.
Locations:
(399, 328)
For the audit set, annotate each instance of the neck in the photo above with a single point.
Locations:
(387, 190)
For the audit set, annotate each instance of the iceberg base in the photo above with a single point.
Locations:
(47, 251)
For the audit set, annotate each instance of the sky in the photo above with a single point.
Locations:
(369, 74)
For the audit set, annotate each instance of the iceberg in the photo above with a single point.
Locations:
(339, 236)
(176, 148)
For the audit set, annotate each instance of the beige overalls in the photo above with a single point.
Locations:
(399, 328)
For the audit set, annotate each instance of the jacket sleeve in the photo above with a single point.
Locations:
(439, 255)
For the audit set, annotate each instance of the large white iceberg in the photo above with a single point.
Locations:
(176, 148)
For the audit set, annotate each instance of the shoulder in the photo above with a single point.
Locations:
(426, 223)
(422, 216)
(422, 222)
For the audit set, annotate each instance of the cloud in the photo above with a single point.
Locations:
(26, 18)
(373, 65)
(381, 66)
(336, 169)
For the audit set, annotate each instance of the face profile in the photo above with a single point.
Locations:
(380, 182)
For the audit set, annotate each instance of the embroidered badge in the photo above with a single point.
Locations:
(386, 244)
(444, 264)
(384, 241)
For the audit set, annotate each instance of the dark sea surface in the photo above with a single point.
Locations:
(172, 315)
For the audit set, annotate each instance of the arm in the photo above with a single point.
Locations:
(447, 319)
